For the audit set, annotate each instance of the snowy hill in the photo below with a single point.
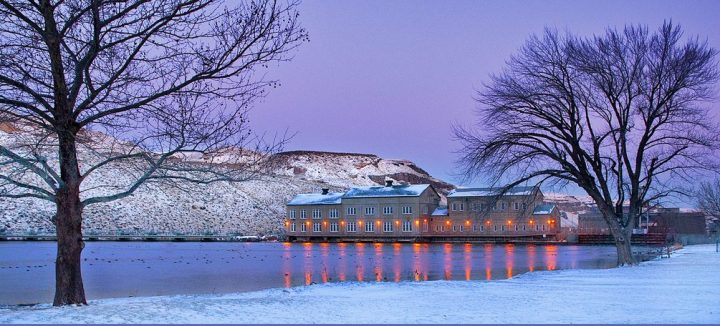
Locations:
(251, 208)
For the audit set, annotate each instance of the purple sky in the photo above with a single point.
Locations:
(391, 77)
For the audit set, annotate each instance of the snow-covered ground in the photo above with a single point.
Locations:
(682, 289)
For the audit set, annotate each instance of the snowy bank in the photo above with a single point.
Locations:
(682, 289)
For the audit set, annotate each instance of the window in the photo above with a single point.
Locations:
(437, 228)
(407, 210)
(369, 227)
(387, 226)
(503, 206)
(303, 227)
(407, 226)
(502, 228)
(523, 227)
(351, 227)
(316, 214)
(334, 227)
(303, 214)
(454, 228)
(458, 207)
(425, 210)
(317, 227)
(516, 205)
(351, 211)
(475, 228)
(517, 227)
(292, 214)
(387, 210)
(495, 228)
(524, 206)
(369, 210)
(543, 227)
(537, 227)
(334, 213)
(292, 227)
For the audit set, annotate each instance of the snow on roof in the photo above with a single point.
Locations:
(440, 211)
(332, 198)
(543, 209)
(490, 192)
(392, 191)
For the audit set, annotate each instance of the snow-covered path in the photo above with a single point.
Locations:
(682, 289)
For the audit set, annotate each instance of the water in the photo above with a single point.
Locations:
(121, 269)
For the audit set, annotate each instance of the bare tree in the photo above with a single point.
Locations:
(154, 86)
(620, 115)
(708, 200)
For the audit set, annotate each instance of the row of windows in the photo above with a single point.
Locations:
(459, 206)
(352, 227)
(333, 213)
(407, 227)
(481, 228)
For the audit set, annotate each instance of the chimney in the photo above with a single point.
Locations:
(388, 183)
(325, 191)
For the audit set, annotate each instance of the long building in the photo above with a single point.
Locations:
(413, 213)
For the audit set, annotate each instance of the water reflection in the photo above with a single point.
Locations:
(309, 263)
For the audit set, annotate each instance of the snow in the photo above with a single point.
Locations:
(393, 191)
(543, 209)
(682, 289)
(332, 198)
(440, 211)
(488, 192)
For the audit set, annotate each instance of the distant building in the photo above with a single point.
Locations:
(413, 213)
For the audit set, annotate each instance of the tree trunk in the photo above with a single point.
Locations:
(623, 245)
(68, 277)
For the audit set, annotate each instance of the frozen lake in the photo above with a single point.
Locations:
(122, 269)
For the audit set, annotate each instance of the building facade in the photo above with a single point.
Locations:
(413, 213)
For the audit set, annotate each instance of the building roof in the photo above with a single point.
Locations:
(384, 191)
(543, 209)
(490, 192)
(440, 211)
(333, 198)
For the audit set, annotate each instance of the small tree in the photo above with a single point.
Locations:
(156, 87)
(618, 115)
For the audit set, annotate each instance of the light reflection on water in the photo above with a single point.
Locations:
(396, 262)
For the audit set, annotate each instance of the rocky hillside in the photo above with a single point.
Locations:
(253, 207)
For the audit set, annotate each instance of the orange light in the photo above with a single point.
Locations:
(531, 222)
(324, 223)
(548, 221)
(342, 222)
(417, 222)
(286, 223)
(360, 222)
(425, 220)
(467, 222)
(397, 222)
(307, 223)
(447, 222)
(378, 222)
(509, 221)
(487, 222)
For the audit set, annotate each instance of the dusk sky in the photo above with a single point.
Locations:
(391, 77)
